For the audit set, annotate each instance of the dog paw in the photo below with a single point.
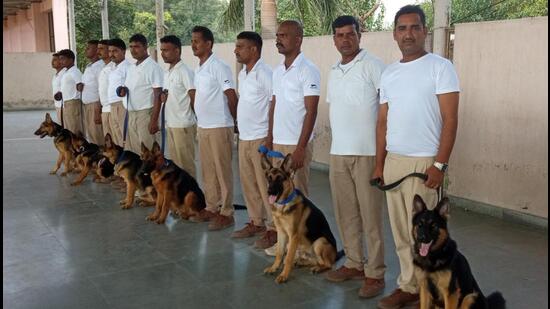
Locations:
(126, 206)
(151, 217)
(160, 221)
(122, 202)
(53, 172)
(270, 270)
(281, 278)
(76, 183)
(63, 174)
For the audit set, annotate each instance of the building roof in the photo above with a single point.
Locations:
(12, 6)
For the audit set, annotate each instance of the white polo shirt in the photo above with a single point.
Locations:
(352, 94)
(410, 89)
(116, 79)
(56, 86)
(70, 78)
(255, 92)
(140, 80)
(178, 81)
(290, 86)
(103, 86)
(212, 78)
(90, 92)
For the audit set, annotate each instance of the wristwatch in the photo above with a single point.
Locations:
(441, 166)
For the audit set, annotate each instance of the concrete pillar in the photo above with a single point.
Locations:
(159, 7)
(249, 15)
(105, 19)
(442, 12)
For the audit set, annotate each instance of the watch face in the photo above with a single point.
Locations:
(444, 167)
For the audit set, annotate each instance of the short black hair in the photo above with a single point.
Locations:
(345, 20)
(93, 42)
(207, 35)
(55, 55)
(140, 38)
(117, 43)
(104, 42)
(67, 53)
(253, 37)
(411, 9)
(172, 39)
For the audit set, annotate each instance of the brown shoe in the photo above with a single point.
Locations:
(398, 299)
(371, 287)
(268, 239)
(221, 222)
(343, 273)
(204, 215)
(248, 230)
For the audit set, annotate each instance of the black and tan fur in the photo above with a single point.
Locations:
(300, 225)
(176, 189)
(443, 273)
(62, 142)
(87, 156)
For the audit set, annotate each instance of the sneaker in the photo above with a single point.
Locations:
(371, 288)
(221, 222)
(248, 230)
(271, 251)
(204, 216)
(268, 239)
(343, 273)
(398, 299)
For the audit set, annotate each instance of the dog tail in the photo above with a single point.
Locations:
(496, 301)
(340, 254)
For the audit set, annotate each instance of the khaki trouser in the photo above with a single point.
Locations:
(301, 176)
(358, 211)
(58, 113)
(400, 210)
(254, 183)
(118, 112)
(72, 117)
(181, 147)
(106, 119)
(94, 131)
(215, 151)
(138, 130)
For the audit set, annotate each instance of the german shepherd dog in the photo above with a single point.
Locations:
(443, 273)
(87, 156)
(127, 165)
(299, 223)
(176, 189)
(62, 142)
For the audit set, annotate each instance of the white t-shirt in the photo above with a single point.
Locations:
(352, 94)
(290, 86)
(178, 81)
(70, 78)
(90, 92)
(103, 86)
(56, 86)
(255, 92)
(212, 78)
(414, 118)
(140, 80)
(116, 79)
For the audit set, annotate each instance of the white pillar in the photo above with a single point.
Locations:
(249, 15)
(72, 31)
(442, 11)
(159, 7)
(104, 19)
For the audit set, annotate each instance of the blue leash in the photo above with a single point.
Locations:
(270, 153)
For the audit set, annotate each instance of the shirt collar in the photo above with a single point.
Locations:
(299, 59)
(179, 64)
(210, 59)
(254, 68)
(359, 57)
(144, 62)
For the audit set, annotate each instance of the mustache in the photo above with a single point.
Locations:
(279, 45)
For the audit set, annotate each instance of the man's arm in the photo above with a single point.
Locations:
(232, 101)
(381, 129)
(191, 93)
(448, 104)
(269, 141)
(154, 124)
(298, 156)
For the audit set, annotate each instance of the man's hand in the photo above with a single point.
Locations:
(153, 127)
(58, 96)
(269, 142)
(97, 114)
(435, 177)
(378, 173)
(121, 91)
(164, 96)
(297, 158)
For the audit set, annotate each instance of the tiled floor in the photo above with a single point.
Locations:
(67, 247)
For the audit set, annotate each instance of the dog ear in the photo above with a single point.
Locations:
(418, 204)
(108, 141)
(266, 163)
(287, 163)
(443, 208)
(156, 147)
(144, 148)
(48, 117)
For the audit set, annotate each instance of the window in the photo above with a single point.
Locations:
(51, 31)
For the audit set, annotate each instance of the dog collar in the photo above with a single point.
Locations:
(287, 200)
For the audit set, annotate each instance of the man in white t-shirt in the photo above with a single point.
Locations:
(144, 81)
(416, 130)
(71, 87)
(56, 83)
(180, 120)
(255, 93)
(117, 76)
(216, 109)
(104, 111)
(352, 93)
(90, 94)
(296, 91)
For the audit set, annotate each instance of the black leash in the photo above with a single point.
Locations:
(377, 182)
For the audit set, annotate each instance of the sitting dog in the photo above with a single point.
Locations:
(442, 271)
(62, 142)
(87, 156)
(176, 189)
(299, 223)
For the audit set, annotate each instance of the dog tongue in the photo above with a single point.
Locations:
(425, 248)
(272, 199)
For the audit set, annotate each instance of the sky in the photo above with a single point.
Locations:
(392, 6)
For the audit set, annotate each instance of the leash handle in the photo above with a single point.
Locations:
(377, 182)
(163, 125)
(270, 153)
